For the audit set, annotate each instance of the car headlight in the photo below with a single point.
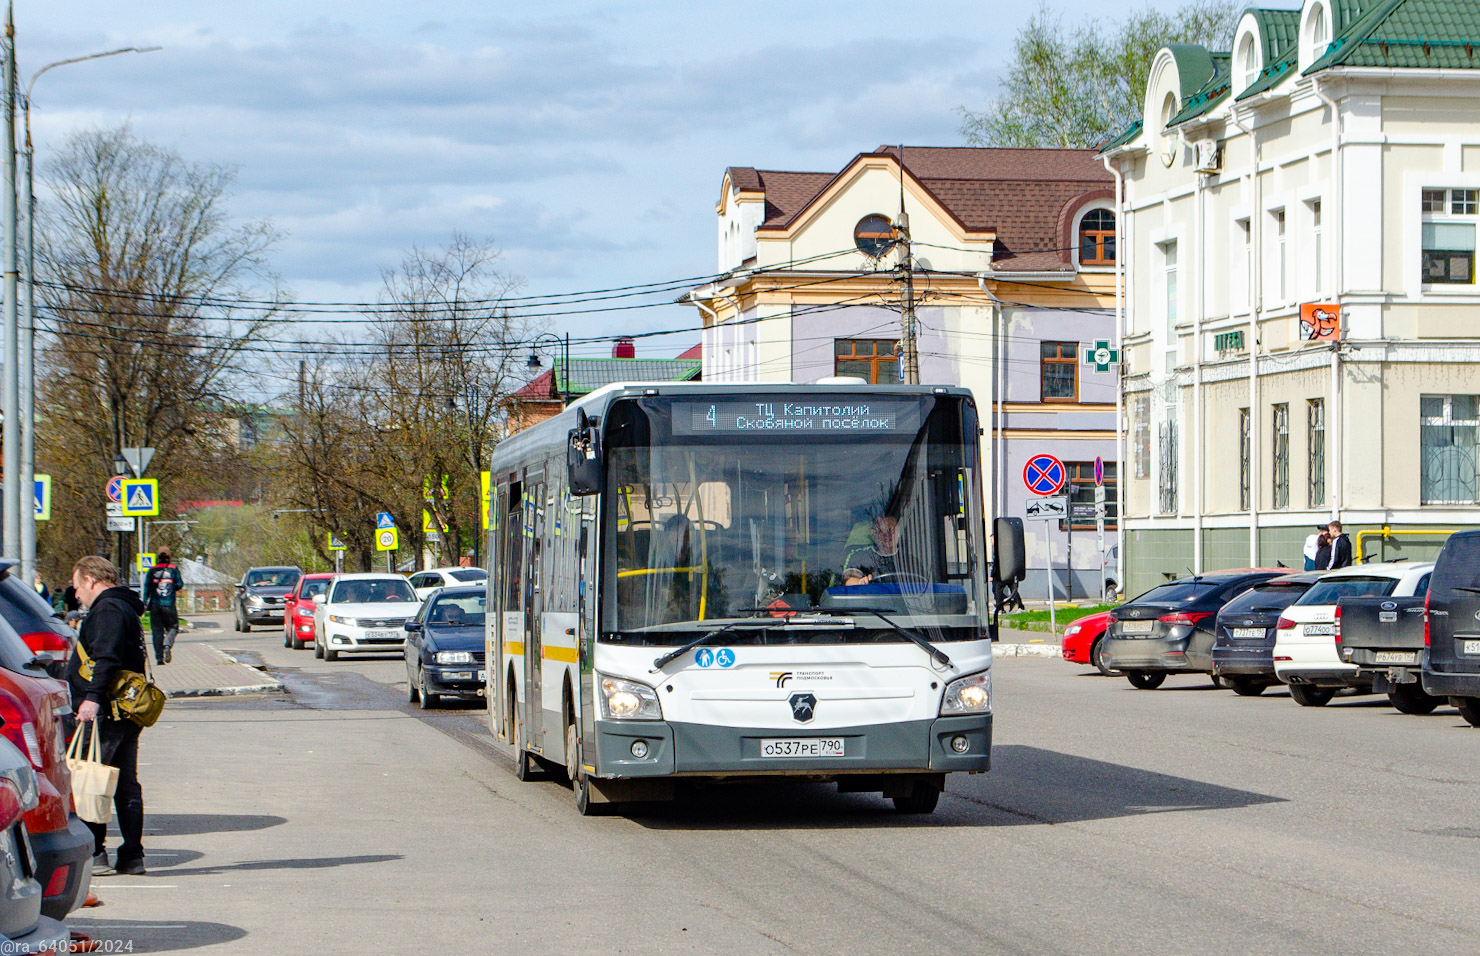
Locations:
(344, 620)
(968, 695)
(254, 601)
(454, 657)
(628, 700)
(1071, 629)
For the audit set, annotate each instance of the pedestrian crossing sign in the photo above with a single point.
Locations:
(336, 543)
(140, 497)
(146, 561)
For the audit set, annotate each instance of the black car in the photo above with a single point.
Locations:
(34, 620)
(261, 593)
(1451, 668)
(1169, 629)
(1243, 641)
(444, 646)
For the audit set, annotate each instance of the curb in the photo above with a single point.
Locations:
(1025, 650)
(226, 691)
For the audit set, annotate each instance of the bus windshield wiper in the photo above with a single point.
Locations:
(683, 649)
(913, 637)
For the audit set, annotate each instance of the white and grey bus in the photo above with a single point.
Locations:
(723, 582)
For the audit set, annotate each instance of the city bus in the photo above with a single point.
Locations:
(713, 582)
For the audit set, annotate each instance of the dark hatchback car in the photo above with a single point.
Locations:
(1169, 629)
(1243, 642)
(34, 620)
(262, 595)
(1451, 668)
(444, 647)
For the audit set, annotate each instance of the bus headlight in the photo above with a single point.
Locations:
(968, 695)
(628, 700)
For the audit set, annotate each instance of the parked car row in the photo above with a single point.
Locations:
(435, 619)
(1410, 630)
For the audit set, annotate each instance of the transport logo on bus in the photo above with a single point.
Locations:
(803, 707)
(781, 677)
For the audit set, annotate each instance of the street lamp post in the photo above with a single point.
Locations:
(120, 468)
(564, 346)
(26, 362)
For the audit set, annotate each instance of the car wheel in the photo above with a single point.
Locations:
(1307, 695)
(1469, 709)
(330, 654)
(922, 798)
(297, 643)
(1098, 660)
(1145, 680)
(1220, 681)
(236, 620)
(428, 699)
(1411, 699)
(1248, 686)
(1110, 590)
(413, 693)
(287, 638)
(318, 649)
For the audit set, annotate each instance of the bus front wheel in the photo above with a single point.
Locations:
(920, 798)
(523, 759)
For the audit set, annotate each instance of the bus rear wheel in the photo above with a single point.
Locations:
(921, 798)
(523, 759)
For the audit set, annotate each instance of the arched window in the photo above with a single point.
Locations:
(1097, 238)
(1317, 34)
(1248, 61)
(874, 235)
(1168, 138)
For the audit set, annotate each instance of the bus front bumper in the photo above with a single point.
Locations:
(671, 748)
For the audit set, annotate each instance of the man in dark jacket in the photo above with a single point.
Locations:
(1341, 547)
(113, 639)
(161, 585)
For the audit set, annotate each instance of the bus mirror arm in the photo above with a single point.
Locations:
(583, 456)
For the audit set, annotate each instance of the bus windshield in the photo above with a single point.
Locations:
(704, 529)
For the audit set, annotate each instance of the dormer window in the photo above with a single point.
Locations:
(1097, 238)
(1248, 61)
(1316, 36)
(1169, 138)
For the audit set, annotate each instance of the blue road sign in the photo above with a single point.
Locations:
(384, 520)
(1044, 475)
(141, 497)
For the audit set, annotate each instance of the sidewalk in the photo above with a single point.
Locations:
(1012, 643)
(202, 670)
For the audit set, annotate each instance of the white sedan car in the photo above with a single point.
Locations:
(363, 613)
(1305, 654)
(425, 582)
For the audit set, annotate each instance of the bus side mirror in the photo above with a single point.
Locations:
(583, 456)
(1010, 557)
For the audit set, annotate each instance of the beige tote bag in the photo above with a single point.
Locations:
(93, 781)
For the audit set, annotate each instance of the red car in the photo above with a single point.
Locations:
(31, 717)
(298, 610)
(1082, 638)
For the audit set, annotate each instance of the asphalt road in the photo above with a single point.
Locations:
(338, 818)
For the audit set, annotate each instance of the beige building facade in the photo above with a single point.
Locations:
(1300, 317)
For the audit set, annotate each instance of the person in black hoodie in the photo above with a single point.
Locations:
(113, 638)
(1341, 547)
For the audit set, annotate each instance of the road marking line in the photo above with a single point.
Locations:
(139, 886)
(97, 926)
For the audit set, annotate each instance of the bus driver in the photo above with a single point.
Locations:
(871, 551)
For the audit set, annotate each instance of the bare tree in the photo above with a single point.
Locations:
(404, 422)
(148, 294)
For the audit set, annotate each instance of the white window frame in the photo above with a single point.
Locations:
(1106, 205)
(1415, 289)
(1312, 44)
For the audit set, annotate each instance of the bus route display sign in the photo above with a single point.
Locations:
(821, 416)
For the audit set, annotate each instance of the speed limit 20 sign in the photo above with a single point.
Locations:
(386, 539)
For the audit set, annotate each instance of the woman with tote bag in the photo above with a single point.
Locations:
(112, 638)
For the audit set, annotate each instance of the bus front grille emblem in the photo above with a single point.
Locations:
(803, 707)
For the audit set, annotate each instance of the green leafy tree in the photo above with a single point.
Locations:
(1077, 87)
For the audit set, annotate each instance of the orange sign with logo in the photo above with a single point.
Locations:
(1320, 322)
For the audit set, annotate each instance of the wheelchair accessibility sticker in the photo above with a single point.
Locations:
(717, 657)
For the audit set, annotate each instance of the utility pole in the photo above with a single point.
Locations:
(10, 399)
(909, 350)
(26, 368)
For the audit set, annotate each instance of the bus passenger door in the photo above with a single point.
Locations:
(511, 609)
(534, 609)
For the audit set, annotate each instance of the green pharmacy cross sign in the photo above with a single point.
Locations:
(1101, 355)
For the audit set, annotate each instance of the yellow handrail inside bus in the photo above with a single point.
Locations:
(1387, 531)
(635, 572)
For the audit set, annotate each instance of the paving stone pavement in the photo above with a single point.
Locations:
(198, 669)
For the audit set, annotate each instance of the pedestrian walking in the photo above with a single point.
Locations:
(161, 587)
(1341, 547)
(111, 640)
(1313, 547)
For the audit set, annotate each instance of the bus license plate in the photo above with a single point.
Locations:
(802, 747)
(1472, 647)
(1395, 657)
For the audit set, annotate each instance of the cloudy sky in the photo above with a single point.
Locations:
(587, 139)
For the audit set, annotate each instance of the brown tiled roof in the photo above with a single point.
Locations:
(540, 388)
(692, 352)
(1021, 194)
(744, 177)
